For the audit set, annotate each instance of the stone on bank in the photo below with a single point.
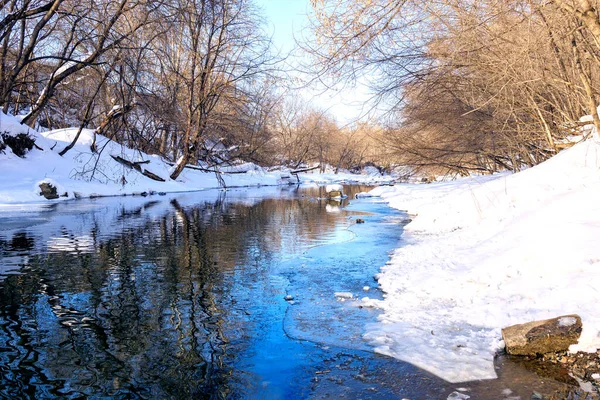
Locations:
(542, 337)
(334, 191)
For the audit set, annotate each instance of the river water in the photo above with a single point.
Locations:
(204, 295)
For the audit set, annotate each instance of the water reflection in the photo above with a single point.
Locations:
(183, 297)
(148, 299)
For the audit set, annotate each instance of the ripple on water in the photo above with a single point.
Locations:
(184, 297)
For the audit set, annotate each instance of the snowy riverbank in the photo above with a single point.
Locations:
(81, 173)
(487, 252)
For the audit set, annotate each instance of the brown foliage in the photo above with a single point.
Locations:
(470, 85)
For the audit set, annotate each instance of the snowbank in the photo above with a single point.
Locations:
(81, 173)
(487, 252)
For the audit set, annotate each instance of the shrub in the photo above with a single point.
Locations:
(20, 144)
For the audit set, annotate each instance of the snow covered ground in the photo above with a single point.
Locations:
(83, 173)
(484, 253)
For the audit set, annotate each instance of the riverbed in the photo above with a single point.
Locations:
(246, 293)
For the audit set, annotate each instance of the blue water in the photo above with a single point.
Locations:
(183, 296)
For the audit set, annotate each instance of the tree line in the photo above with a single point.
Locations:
(191, 80)
(468, 85)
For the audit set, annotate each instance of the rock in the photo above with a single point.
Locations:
(360, 221)
(542, 337)
(48, 191)
(289, 297)
(334, 191)
(334, 187)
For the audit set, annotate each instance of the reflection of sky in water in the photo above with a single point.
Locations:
(181, 295)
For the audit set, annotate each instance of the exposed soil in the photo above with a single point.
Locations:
(579, 370)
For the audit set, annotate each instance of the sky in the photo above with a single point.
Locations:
(289, 19)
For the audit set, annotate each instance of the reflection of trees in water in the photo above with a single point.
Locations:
(157, 310)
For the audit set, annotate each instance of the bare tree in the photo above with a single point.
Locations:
(471, 85)
(219, 49)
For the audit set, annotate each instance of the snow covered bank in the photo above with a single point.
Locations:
(83, 173)
(484, 253)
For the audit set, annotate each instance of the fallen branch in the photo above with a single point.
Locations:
(196, 168)
(136, 166)
(191, 167)
(298, 171)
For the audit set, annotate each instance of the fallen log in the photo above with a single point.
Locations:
(136, 166)
(152, 175)
(196, 168)
(298, 171)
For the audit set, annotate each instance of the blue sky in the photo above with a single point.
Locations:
(288, 18)
(284, 19)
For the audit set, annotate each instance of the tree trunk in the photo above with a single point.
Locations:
(180, 165)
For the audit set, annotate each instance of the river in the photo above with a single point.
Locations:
(249, 293)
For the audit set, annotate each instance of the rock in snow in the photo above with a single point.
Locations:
(48, 191)
(334, 191)
(542, 337)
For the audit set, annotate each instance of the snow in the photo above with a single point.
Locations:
(487, 252)
(567, 321)
(334, 188)
(81, 173)
(458, 396)
(481, 253)
(332, 209)
(344, 295)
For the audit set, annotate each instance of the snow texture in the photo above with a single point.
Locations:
(81, 173)
(567, 321)
(487, 252)
(334, 188)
